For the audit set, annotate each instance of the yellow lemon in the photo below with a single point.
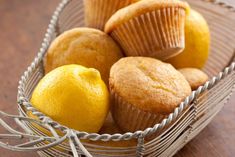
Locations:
(197, 41)
(74, 96)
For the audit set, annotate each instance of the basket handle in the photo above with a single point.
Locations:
(74, 141)
(32, 140)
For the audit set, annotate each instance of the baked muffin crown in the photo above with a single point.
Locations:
(84, 46)
(148, 84)
(138, 8)
(194, 76)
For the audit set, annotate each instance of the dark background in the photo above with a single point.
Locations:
(22, 27)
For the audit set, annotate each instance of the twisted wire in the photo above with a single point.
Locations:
(140, 146)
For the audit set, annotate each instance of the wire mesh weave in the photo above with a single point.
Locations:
(163, 139)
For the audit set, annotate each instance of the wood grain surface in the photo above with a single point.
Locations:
(23, 24)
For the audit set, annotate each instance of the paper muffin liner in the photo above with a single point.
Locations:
(97, 12)
(129, 118)
(158, 34)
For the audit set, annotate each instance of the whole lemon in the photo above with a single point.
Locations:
(74, 96)
(197, 42)
(83, 46)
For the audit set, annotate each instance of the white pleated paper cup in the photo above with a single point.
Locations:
(97, 12)
(129, 118)
(158, 34)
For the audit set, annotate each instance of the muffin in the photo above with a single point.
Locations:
(84, 46)
(97, 12)
(144, 91)
(194, 76)
(151, 28)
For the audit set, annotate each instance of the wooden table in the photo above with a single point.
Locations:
(23, 24)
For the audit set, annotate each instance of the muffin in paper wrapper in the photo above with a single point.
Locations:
(158, 34)
(97, 12)
(129, 118)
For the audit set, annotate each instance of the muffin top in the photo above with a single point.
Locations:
(89, 47)
(194, 76)
(138, 8)
(148, 84)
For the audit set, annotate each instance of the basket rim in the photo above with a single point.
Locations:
(23, 101)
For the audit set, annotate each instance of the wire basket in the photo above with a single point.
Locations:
(163, 139)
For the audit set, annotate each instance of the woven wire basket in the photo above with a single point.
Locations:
(167, 137)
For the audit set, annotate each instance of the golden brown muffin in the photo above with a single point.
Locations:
(84, 46)
(144, 91)
(195, 77)
(97, 12)
(152, 28)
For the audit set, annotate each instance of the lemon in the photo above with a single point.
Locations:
(74, 96)
(197, 41)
